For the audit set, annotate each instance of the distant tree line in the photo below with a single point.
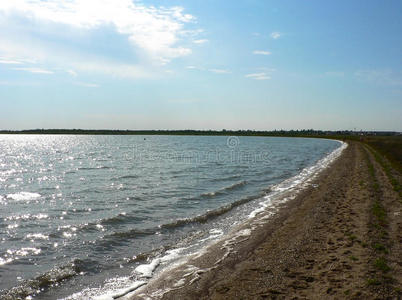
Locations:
(290, 133)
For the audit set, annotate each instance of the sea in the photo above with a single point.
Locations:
(97, 216)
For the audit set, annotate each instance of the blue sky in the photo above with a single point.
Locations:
(247, 64)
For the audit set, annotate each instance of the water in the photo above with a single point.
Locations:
(83, 215)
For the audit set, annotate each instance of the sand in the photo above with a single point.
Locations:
(323, 244)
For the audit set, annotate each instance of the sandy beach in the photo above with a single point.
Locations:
(341, 237)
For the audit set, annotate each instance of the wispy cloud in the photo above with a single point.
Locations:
(9, 62)
(67, 59)
(72, 73)
(261, 52)
(276, 35)
(258, 76)
(199, 68)
(220, 71)
(35, 70)
(87, 84)
(19, 83)
(202, 41)
(155, 30)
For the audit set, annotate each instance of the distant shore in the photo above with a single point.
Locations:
(291, 133)
(339, 238)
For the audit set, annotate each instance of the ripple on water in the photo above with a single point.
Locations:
(37, 236)
(26, 217)
(13, 254)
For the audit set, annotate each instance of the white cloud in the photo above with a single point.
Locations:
(258, 76)
(88, 85)
(155, 30)
(72, 73)
(197, 68)
(220, 71)
(19, 83)
(203, 41)
(265, 69)
(35, 70)
(9, 61)
(71, 60)
(276, 35)
(261, 52)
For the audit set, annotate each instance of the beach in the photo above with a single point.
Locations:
(340, 237)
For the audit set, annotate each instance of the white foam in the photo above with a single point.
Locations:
(244, 232)
(172, 254)
(146, 270)
(298, 181)
(179, 283)
(122, 292)
(104, 297)
(23, 196)
(214, 234)
(263, 206)
(215, 231)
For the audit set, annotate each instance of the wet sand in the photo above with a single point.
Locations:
(326, 243)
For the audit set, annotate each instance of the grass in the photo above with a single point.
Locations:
(379, 212)
(381, 264)
(380, 248)
(389, 146)
(387, 151)
(380, 235)
(373, 281)
(351, 236)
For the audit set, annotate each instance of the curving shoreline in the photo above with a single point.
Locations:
(318, 245)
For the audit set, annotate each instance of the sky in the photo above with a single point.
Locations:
(201, 64)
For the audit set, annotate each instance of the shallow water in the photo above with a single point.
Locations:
(86, 212)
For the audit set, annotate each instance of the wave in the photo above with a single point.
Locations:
(209, 214)
(229, 178)
(94, 168)
(224, 190)
(119, 238)
(129, 234)
(126, 177)
(70, 172)
(33, 287)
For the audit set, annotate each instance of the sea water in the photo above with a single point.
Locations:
(84, 215)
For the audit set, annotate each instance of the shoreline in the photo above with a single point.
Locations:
(301, 251)
(266, 210)
(271, 210)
